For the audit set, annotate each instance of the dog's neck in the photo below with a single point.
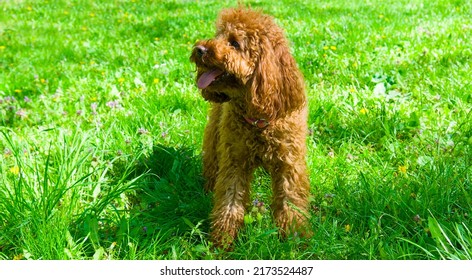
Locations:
(251, 117)
(259, 123)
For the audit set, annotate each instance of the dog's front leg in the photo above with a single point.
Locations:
(291, 189)
(210, 145)
(230, 199)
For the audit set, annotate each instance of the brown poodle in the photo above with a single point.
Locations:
(258, 118)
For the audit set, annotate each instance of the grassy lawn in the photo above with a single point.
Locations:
(101, 126)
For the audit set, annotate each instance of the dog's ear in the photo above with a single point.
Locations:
(277, 86)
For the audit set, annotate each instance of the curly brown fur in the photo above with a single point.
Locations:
(258, 118)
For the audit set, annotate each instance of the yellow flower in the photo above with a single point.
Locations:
(402, 169)
(18, 90)
(363, 111)
(156, 81)
(333, 48)
(121, 80)
(2, 48)
(347, 228)
(325, 47)
(15, 170)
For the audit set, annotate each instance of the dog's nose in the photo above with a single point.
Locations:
(201, 50)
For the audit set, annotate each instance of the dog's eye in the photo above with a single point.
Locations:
(235, 44)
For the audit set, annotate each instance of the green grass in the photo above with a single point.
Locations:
(101, 127)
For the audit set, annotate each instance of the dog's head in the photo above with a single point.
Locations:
(249, 61)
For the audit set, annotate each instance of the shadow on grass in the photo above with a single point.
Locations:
(165, 204)
(171, 196)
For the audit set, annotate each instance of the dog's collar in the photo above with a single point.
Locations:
(259, 123)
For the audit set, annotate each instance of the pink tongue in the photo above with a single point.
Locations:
(208, 77)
